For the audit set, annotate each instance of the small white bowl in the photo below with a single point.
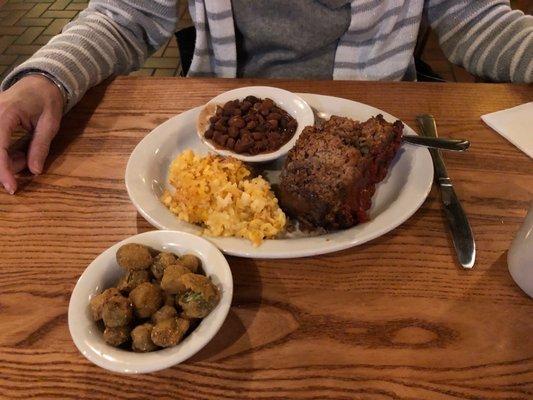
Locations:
(288, 101)
(103, 272)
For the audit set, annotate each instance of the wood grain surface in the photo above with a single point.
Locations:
(393, 319)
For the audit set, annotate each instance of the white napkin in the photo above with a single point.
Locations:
(515, 124)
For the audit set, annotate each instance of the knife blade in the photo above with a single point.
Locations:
(462, 236)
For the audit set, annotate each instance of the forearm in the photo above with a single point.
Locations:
(486, 37)
(108, 38)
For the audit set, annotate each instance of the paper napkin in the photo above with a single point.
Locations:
(515, 124)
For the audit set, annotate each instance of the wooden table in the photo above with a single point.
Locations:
(395, 318)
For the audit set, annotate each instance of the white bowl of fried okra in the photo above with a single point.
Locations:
(150, 302)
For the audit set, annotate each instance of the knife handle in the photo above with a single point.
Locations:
(427, 124)
(462, 236)
(429, 129)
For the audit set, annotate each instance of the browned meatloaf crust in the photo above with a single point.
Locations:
(330, 175)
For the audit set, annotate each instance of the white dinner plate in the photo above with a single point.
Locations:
(397, 197)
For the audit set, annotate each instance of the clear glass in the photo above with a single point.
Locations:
(520, 256)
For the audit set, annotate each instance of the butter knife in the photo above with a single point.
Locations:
(462, 236)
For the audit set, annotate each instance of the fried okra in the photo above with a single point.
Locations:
(117, 336)
(132, 279)
(97, 302)
(161, 261)
(140, 338)
(146, 299)
(117, 311)
(170, 282)
(134, 256)
(199, 297)
(169, 299)
(169, 332)
(160, 297)
(191, 262)
(163, 313)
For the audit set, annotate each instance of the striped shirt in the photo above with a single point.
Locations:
(116, 36)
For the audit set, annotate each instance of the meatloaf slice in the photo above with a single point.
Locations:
(329, 176)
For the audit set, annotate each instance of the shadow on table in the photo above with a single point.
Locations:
(495, 282)
(143, 225)
(232, 339)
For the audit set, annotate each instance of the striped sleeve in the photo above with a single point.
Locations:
(109, 37)
(486, 37)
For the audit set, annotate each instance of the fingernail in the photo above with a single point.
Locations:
(36, 169)
(9, 188)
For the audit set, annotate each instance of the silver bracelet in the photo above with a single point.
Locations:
(51, 78)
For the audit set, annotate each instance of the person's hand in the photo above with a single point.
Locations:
(33, 104)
